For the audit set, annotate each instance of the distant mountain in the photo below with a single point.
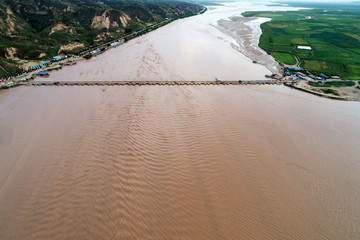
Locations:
(39, 29)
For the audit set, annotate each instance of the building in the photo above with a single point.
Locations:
(300, 74)
(294, 68)
(117, 43)
(323, 76)
(40, 65)
(95, 52)
(57, 58)
(98, 51)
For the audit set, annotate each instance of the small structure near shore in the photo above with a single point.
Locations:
(294, 68)
(273, 76)
(304, 47)
(70, 63)
(98, 51)
(59, 57)
(324, 76)
(43, 74)
(117, 43)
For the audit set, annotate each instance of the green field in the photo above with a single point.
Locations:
(332, 33)
(286, 58)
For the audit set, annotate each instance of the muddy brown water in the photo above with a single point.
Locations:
(178, 162)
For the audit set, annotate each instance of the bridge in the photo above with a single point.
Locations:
(139, 83)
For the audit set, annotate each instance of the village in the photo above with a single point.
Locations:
(298, 73)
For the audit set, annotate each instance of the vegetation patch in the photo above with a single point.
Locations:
(299, 41)
(337, 84)
(4, 87)
(87, 56)
(286, 58)
(330, 91)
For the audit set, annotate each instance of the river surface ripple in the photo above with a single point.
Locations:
(177, 162)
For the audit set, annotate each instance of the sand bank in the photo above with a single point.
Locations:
(247, 32)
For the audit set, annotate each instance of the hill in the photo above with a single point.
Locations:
(34, 30)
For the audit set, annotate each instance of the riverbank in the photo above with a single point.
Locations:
(43, 30)
(85, 54)
(351, 93)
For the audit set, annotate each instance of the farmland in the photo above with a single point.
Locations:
(331, 34)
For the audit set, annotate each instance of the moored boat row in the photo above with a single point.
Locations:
(138, 83)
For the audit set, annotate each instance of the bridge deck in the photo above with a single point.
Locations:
(127, 83)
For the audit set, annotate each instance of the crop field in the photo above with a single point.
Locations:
(286, 58)
(333, 34)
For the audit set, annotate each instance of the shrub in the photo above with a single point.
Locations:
(333, 83)
(330, 91)
(88, 56)
(4, 87)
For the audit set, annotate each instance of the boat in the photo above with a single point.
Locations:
(42, 74)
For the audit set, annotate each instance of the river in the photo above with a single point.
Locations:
(189, 49)
(177, 162)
